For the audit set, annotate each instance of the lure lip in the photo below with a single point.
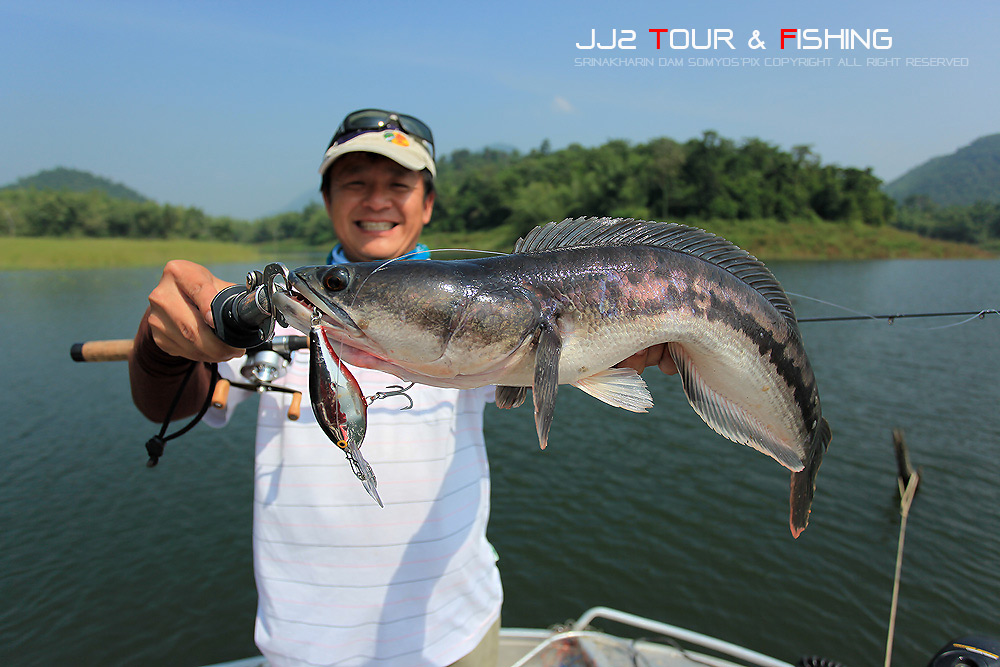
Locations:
(371, 485)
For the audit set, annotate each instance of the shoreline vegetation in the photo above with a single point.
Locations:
(768, 240)
(776, 204)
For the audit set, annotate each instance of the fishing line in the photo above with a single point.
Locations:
(417, 252)
(410, 254)
(980, 315)
(860, 315)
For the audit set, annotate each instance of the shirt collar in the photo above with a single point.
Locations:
(337, 256)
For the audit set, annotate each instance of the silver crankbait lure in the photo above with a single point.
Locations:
(338, 404)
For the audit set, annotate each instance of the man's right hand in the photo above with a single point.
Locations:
(180, 313)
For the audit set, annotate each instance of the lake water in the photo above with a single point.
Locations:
(103, 561)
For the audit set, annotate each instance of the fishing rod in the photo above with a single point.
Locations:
(858, 315)
(118, 349)
(973, 314)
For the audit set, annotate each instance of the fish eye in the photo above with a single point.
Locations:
(337, 279)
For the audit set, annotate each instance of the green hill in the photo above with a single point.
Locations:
(969, 175)
(74, 180)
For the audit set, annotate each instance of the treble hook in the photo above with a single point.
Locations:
(400, 391)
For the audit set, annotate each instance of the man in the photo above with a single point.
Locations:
(340, 580)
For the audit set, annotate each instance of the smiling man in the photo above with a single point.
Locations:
(378, 186)
(378, 208)
(339, 579)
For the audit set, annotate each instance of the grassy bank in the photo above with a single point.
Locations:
(771, 240)
(83, 253)
(767, 240)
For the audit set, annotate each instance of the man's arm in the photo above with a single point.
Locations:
(156, 376)
(176, 330)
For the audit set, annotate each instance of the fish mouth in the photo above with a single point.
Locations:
(300, 302)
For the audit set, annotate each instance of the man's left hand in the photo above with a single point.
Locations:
(656, 355)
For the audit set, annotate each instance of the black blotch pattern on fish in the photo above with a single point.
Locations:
(784, 357)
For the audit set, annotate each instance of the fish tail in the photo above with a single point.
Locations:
(804, 481)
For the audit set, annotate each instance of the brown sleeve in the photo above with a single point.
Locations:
(155, 377)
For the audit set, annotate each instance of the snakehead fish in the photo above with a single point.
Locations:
(575, 298)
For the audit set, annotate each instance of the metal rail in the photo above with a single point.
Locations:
(682, 634)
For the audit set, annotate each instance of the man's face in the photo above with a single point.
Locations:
(377, 206)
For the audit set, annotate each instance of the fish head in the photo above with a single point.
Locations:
(416, 319)
(398, 311)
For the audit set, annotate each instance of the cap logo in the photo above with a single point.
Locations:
(396, 138)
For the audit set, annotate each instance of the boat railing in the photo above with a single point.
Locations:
(725, 648)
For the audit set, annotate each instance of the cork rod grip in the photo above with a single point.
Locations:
(101, 350)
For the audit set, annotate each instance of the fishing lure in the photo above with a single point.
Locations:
(338, 404)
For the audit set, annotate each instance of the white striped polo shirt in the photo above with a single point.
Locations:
(340, 580)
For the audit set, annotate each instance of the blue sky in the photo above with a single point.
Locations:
(228, 106)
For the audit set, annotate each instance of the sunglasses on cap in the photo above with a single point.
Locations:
(375, 120)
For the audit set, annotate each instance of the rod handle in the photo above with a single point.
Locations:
(101, 350)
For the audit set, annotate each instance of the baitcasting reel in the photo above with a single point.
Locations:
(245, 317)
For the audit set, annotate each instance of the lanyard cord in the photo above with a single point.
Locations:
(156, 444)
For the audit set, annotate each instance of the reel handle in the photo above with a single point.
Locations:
(295, 409)
(220, 396)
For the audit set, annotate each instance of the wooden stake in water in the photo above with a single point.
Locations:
(907, 480)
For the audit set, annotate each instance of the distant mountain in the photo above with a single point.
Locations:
(968, 175)
(75, 180)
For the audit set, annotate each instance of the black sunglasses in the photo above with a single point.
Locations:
(375, 120)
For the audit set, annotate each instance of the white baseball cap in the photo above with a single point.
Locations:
(401, 138)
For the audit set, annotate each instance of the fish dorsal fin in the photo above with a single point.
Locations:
(692, 241)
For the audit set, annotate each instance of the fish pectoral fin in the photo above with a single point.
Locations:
(510, 397)
(727, 418)
(546, 382)
(619, 387)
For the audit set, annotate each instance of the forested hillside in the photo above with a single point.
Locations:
(709, 178)
(954, 197)
(32, 212)
(968, 176)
